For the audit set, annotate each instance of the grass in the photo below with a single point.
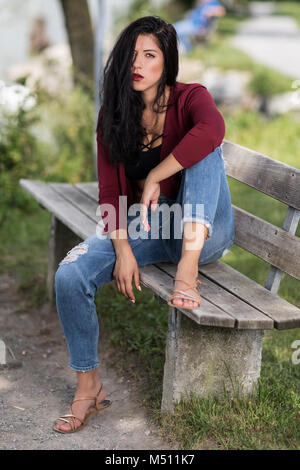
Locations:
(290, 9)
(24, 251)
(266, 422)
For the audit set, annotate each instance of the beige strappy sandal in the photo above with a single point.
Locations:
(181, 294)
(70, 418)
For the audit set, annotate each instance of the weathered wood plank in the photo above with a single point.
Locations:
(270, 243)
(90, 189)
(284, 314)
(161, 283)
(71, 216)
(246, 316)
(269, 176)
(78, 198)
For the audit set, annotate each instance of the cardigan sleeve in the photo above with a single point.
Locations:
(208, 128)
(112, 212)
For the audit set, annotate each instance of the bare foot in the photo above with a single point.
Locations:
(188, 271)
(82, 407)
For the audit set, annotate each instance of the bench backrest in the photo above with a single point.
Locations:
(277, 246)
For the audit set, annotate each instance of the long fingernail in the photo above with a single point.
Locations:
(139, 288)
(133, 301)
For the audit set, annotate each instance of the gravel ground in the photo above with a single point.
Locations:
(37, 386)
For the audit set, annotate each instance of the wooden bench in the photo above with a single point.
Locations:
(218, 346)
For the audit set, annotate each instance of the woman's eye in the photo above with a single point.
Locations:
(148, 54)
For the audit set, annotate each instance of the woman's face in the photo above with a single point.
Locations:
(148, 61)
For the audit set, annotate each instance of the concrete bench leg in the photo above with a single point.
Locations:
(62, 239)
(208, 360)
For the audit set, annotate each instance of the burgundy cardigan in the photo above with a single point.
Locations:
(193, 129)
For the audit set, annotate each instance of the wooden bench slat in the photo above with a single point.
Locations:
(284, 314)
(270, 243)
(161, 283)
(71, 216)
(90, 189)
(269, 176)
(246, 316)
(78, 198)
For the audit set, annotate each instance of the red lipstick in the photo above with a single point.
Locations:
(137, 77)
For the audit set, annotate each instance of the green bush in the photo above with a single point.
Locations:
(18, 158)
(267, 82)
(68, 123)
(52, 142)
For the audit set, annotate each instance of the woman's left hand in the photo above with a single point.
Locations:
(151, 193)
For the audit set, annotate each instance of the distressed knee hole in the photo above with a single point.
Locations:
(73, 254)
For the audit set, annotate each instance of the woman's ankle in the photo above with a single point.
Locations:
(88, 380)
(188, 263)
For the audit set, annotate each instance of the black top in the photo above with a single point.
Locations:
(146, 161)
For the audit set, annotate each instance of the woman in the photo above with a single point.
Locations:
(158, 148)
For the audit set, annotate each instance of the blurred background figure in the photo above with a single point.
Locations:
(198, 23)
(38, 36)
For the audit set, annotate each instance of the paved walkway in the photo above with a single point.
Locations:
(273, 40)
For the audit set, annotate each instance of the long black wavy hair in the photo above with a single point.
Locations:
(121, 113)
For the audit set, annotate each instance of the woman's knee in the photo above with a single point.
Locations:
(66, 278)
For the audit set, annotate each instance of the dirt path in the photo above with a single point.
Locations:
(37, 387)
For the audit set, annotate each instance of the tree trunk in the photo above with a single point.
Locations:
(81, 39)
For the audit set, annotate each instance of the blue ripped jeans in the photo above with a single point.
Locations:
(203, 196)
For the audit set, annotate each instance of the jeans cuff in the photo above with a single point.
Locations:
(85, 368)
(200, 221)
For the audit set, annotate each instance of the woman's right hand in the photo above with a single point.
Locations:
(126, 268)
